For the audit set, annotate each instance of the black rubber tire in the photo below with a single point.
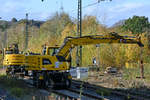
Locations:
(41, 84)
(45, 83)
(26, 73)
(67, 83)
(51, 84)
(7, 73)
(34, 78)
(36, 82)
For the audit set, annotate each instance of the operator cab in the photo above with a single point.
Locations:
(8, 51)
(12, 50)
(50, 50)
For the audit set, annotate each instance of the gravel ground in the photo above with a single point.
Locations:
(105, 80)
(117, 81)
(114, 81)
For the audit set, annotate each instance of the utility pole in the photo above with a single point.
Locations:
(5, 35)
(5, 38)
(26, 32)
(79, 33)
(4, 41)
(98, 56)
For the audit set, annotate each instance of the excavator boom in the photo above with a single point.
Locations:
(71, 42)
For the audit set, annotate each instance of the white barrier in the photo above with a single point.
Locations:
(79, 72)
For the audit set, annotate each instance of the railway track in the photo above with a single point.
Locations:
(85, 91)
(125, 94)
(71, 93)
(77, 93)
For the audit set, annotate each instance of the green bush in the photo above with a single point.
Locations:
(18, 92)
(103, 92)
(15, 86)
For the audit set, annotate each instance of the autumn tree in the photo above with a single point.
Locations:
(14, 20)
(56, 23)
(136, 25)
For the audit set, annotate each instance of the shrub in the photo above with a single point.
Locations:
(18, 92)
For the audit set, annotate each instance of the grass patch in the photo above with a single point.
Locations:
(103, 91)
(18, 92)
(132, 73)
(1, 59)
(15, 86)
(1, 66)
(131, 77)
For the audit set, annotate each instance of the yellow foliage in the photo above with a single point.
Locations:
(49, 33)
(131, 65)
(132, 53)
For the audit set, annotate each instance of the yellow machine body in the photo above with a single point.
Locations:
(14, 59)
(12, 56)
(36, 62)
(44, 62)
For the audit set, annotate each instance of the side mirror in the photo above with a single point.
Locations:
(0, 51)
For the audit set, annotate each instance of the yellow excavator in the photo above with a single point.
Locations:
(51, 68)
(13, 60)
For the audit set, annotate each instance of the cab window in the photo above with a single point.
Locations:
(9, 52)
(46, 62)
(53, 51)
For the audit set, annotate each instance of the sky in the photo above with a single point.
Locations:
(106, 12)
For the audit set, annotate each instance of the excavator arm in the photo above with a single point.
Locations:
(71, 42)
